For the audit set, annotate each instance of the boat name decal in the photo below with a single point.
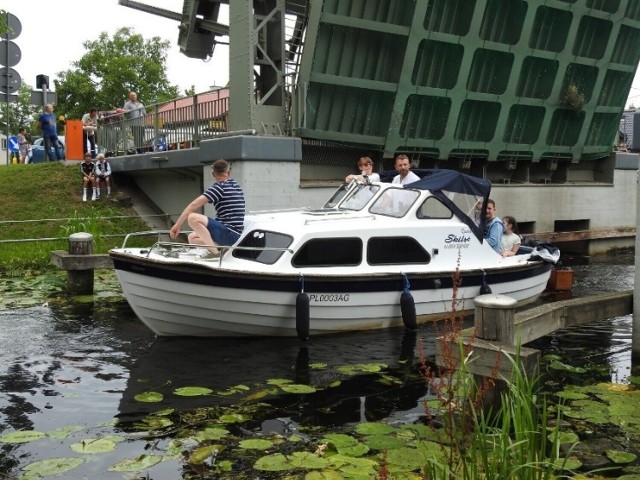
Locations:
(457, 241)
(329, 297)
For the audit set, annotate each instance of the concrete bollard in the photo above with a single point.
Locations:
(494, 318)
(80, 282)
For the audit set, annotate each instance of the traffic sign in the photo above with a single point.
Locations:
(10, 53)
(10, 80)
(37, 97)
(15, 27)
(14, 146)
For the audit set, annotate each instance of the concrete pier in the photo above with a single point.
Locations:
(500, 330)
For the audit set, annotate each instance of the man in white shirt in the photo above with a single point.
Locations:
(403, 167)
(89, 128)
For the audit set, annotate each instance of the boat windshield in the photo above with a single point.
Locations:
(337, 196)
(352, 196)
(395, 202)
(358, 197)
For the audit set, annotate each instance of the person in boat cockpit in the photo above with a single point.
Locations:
(405, 175)
(365, 165)
(228, 200)
(493, 227)
(510, 241)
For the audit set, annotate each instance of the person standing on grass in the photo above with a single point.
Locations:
(23, 145)
(48, 124)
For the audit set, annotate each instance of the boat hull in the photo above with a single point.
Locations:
(183, 299)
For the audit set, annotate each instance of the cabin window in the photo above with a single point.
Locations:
(395, 250)
(329, 252)
(263, 246)
(434, 208)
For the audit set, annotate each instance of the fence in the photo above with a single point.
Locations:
(178, 124)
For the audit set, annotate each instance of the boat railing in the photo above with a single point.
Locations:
(335, 217)
(174, 246)
(145, 233)
(160, 243)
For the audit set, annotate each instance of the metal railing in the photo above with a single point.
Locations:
(178, 124)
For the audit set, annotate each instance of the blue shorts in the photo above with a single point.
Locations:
(221, 234)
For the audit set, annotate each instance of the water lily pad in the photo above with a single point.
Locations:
(192, 391)
(201, 454)
(617, 456)
(278, 381)
(231, 391)
(374, 428)
(565, 437)
(64, 432)
(361, 368)
(23, 436)
(94, 445)
(557, 365)
(324, 475)
(297, 388)
(276, 462)
(340, 440)
(570, 463)
(256, 444)
(257, 395)
(233, 418)
(571, 395)
(149, 397)
(307, 460)
(383, 442)
(211, 433)
(52, 466)
(136, 465)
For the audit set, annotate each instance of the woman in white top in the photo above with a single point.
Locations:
(365, 165)
(510, 241)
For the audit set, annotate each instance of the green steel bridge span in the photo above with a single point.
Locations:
(460, 83)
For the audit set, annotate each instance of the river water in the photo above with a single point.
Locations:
(76, 364)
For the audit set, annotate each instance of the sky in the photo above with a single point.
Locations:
(53, 33)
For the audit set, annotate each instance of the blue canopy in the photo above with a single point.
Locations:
(447, 180)
(441, 181)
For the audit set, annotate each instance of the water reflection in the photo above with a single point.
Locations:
(222, 365)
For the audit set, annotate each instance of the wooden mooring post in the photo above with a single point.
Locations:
(80, 263)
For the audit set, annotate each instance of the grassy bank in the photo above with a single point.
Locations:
(42, 202)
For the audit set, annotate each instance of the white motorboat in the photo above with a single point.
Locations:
(377, 255)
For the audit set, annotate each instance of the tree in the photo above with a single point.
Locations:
(110, 69)
(21, 114)
(3, 22)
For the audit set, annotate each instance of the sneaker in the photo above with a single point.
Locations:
(84, 198)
